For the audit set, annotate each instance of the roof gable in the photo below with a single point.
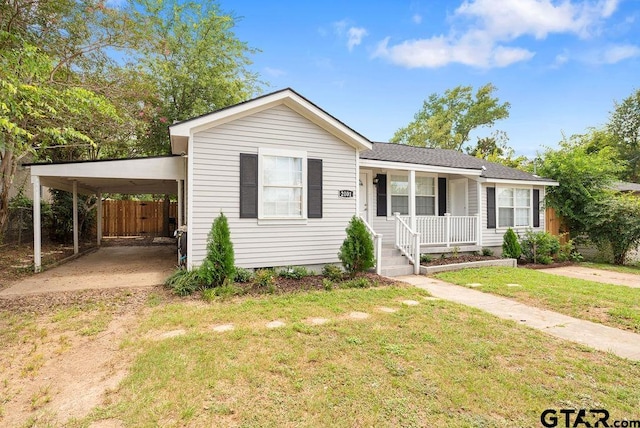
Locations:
(181, 131)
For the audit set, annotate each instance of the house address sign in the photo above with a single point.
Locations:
(345, 193)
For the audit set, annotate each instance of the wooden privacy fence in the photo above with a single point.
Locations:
(136, 218)
(553, 223)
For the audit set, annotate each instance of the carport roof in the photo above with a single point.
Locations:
(130, 176)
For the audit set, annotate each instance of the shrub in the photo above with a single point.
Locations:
(539, 247)
(361, 282)
(356, 252)
(332, 272)
(510, 246)
(265, 278)
(184, 282)
(426, 258)
(568, 252)
(327, 284)
(294, 272)
(487, 252)
(218, 266)
(455, 252)
(243, 275)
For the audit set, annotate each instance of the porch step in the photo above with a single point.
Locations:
(394, 263)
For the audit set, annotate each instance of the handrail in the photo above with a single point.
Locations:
(377, 241)
(408, 242)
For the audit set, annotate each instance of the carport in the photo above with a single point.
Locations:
(160, 175)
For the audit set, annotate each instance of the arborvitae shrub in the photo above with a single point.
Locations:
(218, 266)
(356, 252)
(510, 246)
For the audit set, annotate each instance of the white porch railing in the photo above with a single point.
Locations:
(408, 242)
(446, 230)
(377, 245)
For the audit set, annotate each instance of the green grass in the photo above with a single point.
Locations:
(614, 305)
(434, 364)
(633, 269)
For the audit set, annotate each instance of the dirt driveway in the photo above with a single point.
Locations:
(108, 267)
(597, 275)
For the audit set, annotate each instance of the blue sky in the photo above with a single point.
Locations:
(560, 64)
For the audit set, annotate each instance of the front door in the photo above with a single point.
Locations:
(364, 195)
(458, 197)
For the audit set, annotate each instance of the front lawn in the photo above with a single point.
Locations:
(434, 363)
(614, 305)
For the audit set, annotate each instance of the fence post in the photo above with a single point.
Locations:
(478, 229)
(379, 254)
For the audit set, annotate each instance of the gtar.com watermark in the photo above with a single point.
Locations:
(585, 418)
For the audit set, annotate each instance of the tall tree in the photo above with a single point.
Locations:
(195, 61)
(494, 148)
(624, 125)
(445, 121)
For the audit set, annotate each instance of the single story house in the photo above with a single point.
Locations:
(289, 176)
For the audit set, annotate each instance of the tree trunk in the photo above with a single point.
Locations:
(8, 169)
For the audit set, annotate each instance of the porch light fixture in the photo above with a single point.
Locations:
(375, 181)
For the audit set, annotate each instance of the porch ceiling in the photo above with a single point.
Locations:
(129, 176)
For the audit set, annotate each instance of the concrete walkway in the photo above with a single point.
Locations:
(619, 342)
(597, 275)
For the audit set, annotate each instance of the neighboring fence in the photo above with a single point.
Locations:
(136, 218)
(553, 223)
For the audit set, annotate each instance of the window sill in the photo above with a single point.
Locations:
(281, 221)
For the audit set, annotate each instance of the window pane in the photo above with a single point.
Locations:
(523, 197)
(425, 205)
(282, 171)
(282, 202)
(399, 185)
(400, 204)
(425, 186)
(505, 197)
(522, 216)
(505, 217)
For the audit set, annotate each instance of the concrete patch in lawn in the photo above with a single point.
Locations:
(221, 328)
(275, 324)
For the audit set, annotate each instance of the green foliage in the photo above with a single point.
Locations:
(487, 251)
(445, 121)
(568, 252)
(243, 275)
(184, 282)
(332, 272)
(265, 278)
(495, 149)
(614, 223)
(426, 258)
(294, 272)
(327, 284)
(360, 282)
(624, 125)
(539, 247)
(510, 246)
(61, 223)
(356, 252)
(455, 252)
(585, 171)
(219, 264)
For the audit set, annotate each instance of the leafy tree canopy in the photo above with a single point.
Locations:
(445, 121)
(624, 126)
(495, 149)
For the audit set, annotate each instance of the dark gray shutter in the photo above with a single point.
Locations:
(381, 195)
(314, 188)
(491, 207)
(536, 208)
(248, 185)
(442, 196)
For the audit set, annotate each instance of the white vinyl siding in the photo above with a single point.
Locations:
(281, 242)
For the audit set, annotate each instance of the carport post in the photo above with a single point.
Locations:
(99, 219)
(75, 218)
(37, 242)
(180, 202)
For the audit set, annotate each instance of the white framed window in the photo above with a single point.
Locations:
(399, 190)
(425, 196)
(514, 207)
(282, 178)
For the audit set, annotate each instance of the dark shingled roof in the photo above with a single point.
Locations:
(390, 152)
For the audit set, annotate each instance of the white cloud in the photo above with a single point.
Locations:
(490, 26)
(355, 35)
(417, 18)
(561, 59)
(274, 72)
(618, 53)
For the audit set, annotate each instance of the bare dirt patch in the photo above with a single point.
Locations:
(53, 367)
